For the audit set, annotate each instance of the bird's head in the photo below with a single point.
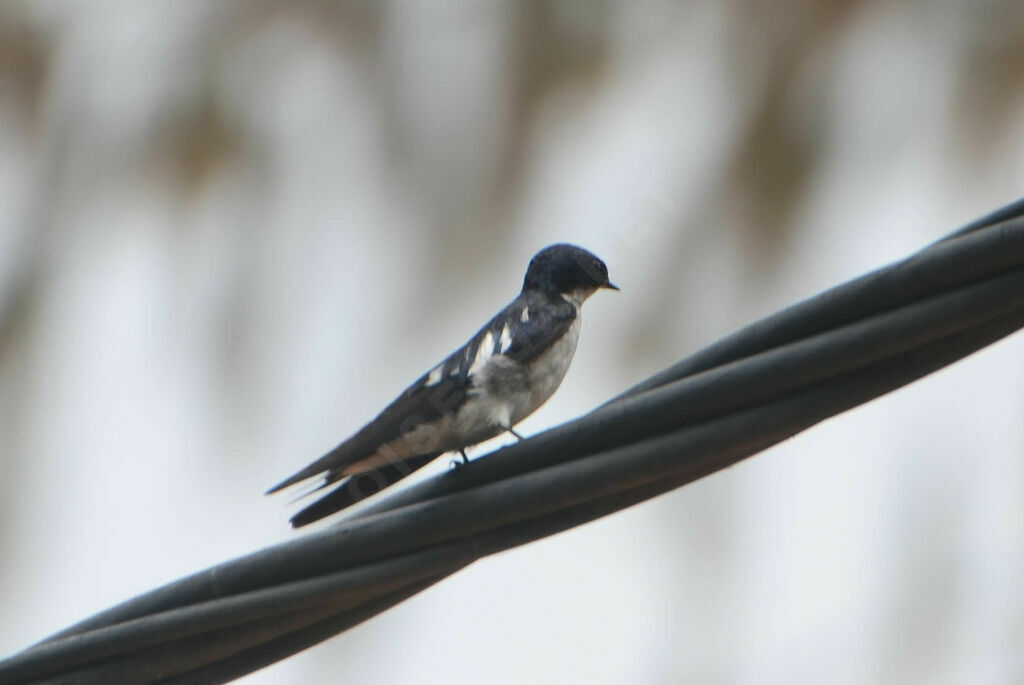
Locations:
(569, 271)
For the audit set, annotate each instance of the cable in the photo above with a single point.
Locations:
(749, 391)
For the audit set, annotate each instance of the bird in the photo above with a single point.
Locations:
(504, 373)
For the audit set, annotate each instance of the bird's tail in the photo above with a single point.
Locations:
(335, 460)
(354, 488)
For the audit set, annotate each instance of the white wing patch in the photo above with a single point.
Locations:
(435, 375)
(525, 315)
(506, 339)
(483, 353)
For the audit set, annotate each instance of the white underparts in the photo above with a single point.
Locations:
(578, 296)
(503, 393)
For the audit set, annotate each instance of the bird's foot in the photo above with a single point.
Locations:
(510, 430)
(455, 463)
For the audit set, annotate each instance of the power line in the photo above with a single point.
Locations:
(733, 399)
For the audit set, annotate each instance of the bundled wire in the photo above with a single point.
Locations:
(747, 392)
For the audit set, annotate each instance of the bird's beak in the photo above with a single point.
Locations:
(610, 286)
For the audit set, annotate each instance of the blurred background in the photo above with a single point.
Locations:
(231, 232)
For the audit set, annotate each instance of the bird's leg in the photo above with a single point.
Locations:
(455, 463)
(509, 429)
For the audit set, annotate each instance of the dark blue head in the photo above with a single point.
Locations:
(567, 270)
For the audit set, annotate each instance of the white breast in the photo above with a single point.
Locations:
(548, 370)
(503, 394)
(521, 392)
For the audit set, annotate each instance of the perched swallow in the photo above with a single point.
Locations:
(502, 375)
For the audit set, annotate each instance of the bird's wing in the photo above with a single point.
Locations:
(531, 324)
(423, 401)
(521, 331)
